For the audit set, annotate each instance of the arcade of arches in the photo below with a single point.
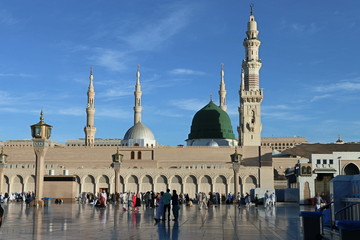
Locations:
(190, 184)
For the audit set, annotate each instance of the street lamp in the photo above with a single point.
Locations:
(117, 159)
(236, 159)
(40, 133)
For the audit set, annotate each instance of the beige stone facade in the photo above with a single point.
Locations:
(188, 169)
(282, 143)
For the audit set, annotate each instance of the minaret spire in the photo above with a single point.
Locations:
(250, 94)
(90, 129)
(137, 93)
(222, 91)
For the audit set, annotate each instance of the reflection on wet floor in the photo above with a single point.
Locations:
(76, 221)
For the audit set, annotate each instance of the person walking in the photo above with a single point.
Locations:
(175, 205)
(247, 200)
(239, 199)
(160, 207)
(256, 200)
(318, 202)
(167, 199)
(203, 201)
(266, 199)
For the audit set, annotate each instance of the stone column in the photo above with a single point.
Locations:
(3, 162)
(236, 167)
(2, 166)
(117, 159)
(117, 177)
(40, 148)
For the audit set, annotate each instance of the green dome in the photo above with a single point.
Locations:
(211, 122)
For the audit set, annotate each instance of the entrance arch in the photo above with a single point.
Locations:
(250, 183)
(351, 169)
(5, 184)
(89, 184)
(191, 186)
(220, 185)
(30, 184)
(17, 185)
(176, 184)
(161, 184)
(205, 184)
(78, 184)
(132, 184)
(146, 184)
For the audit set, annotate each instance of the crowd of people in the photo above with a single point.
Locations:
(17, 197)
(165, 201)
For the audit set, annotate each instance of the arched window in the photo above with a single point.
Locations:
(139, 155)
(303, 170)
(132, 155)
(351, 169)
(308, 170)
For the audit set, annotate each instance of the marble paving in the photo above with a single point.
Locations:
(76, 221)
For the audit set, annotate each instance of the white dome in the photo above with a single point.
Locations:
(212, 143)
(139, 131)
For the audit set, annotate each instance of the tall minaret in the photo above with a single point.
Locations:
(137, 93)
(250, 95)
(222, 91)
(90, 129)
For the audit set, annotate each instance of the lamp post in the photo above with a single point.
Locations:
(40, 133)
(117, 159)
(3, 162)
(236, 159)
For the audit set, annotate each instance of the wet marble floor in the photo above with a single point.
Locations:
(76, 221)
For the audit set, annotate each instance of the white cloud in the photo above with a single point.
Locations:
(23, 75)
(111, 59)
(288, 116)
(72, 111)
(168, 113)
(154, 34)
(7, 98)
(278, 107)
(347, 85)
(79, 48)
(11, 110)
(298, 27)
(184, 71)
(113, 113)
(302, 28)
(116, 92)
(188, 104)
(7, 18)
(316, 98)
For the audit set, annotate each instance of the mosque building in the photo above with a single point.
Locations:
(203, 165)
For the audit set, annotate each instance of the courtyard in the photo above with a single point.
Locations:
(76, 221)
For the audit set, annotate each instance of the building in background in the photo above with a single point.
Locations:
(318, 164)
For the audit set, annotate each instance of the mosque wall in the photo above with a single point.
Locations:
(188, 170)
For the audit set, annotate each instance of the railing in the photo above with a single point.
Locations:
(350, 212)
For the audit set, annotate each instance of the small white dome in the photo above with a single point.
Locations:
(275, 152)
(212, 143)
(139, 131)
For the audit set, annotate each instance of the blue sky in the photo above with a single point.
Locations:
(310, 75)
